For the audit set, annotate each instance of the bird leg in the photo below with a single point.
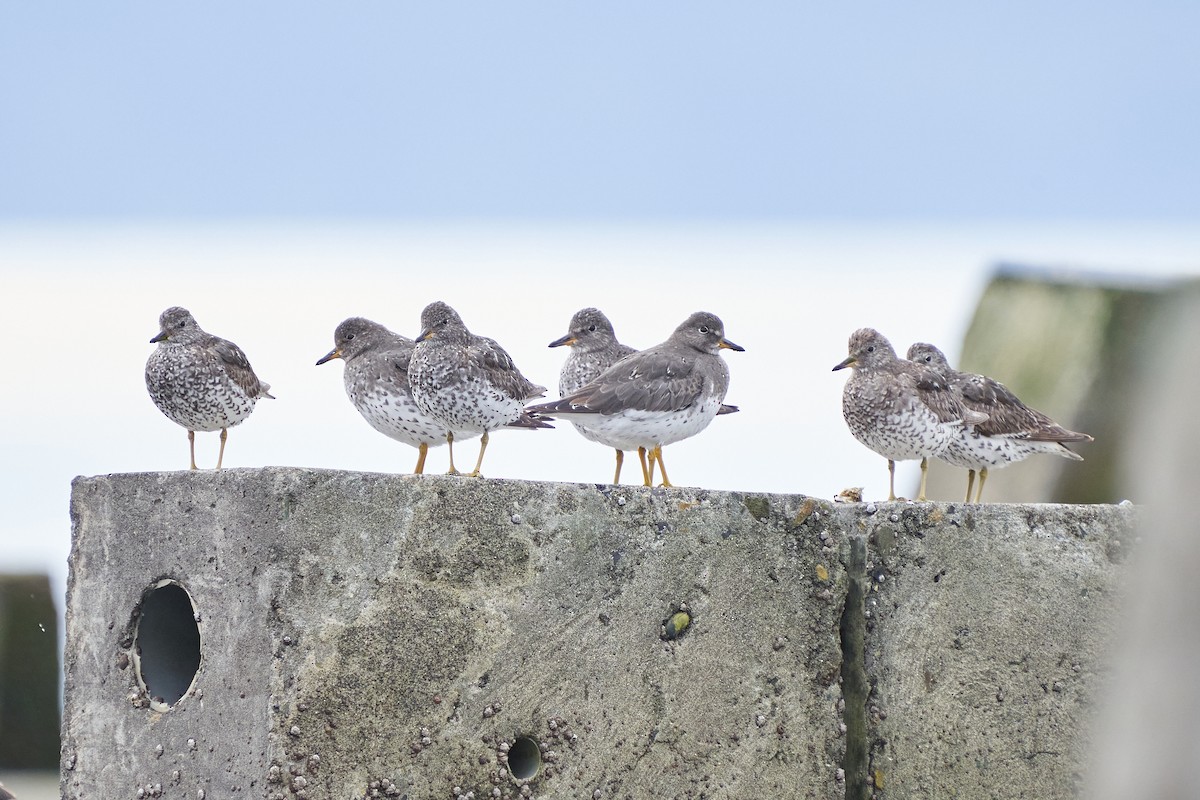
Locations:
(620, 458)
(192, 447)
(479, 461)
(891, 479)
(924, 475)
(970, 483)
(422, 450)
(982, 478)
(221, 452)
(647, 480)
(656, 455)
(450, 444)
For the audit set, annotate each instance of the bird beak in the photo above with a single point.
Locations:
(332, 354)
(568, 339)
(160, 337)
(425, 335)
(849, 362)
(725, 344)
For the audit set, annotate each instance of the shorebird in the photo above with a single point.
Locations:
(657, 396)
(1012, 432)
(376, 380)
(467, 382)
(200, 381)
(899, 409)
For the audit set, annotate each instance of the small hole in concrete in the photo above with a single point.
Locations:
(166, 653)
(524, 758)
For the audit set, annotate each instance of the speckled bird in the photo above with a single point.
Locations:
(467, 382)
(200, 381)
(1012, 431)
(375, 376)
(899, 409)
(657, 396)
(594, 348)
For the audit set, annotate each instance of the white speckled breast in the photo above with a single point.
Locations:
(191, 387)
(897, 427)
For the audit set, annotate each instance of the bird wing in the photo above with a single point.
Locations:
(1008, 416)
(937, 394)
(487, 355)
(237, 366)
(645, 381)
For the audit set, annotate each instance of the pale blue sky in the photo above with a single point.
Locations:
(621, 110)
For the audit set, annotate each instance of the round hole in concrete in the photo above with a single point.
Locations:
(524, 758)
(166, 652)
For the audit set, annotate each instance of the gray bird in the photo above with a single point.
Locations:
(376, 380)
(467, 382)
(1012, 432)
(657, 396)
(594, 348)
(899, 409)
(200, 381)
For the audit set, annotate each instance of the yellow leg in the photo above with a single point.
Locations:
(982, 478)
(479, 461)
(620, 458)
(221, 452)
(647, 480)
(924, 475)
(970, 483)
(450, 444)
(192, 447)
(657, 456)
(422, 450)
(891, 479)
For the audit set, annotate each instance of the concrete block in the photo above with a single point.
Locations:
(360, 635)
(988, 640)
(315, 634)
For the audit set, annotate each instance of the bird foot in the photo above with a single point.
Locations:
(474, 474)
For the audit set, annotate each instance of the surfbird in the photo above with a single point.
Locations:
(594, 348)
(657, 396)
(376, 379)
(899, 409)
(200, 381)
(468, 383)
(1012, 432)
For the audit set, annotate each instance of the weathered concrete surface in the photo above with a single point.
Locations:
(364, 630)
(365, 633)
(988, 636)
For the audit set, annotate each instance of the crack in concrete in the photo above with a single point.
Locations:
(855, 686)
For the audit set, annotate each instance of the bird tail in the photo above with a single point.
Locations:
(530, 421)
(1067, 452)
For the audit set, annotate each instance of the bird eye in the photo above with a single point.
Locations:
(704, 329)
(349, 336)
(592, 328)
(870, 348)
